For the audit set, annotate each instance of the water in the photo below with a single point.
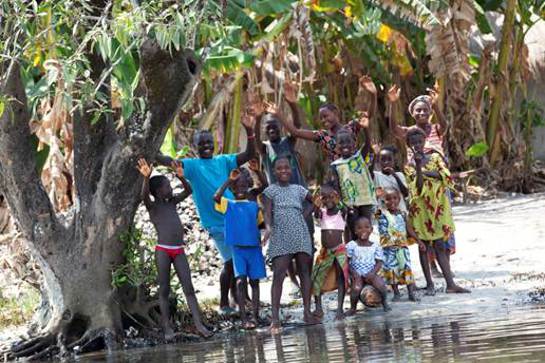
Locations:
(497, 335)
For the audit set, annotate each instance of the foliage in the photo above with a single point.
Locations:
(15, 311)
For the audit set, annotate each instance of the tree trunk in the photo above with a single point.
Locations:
(77, 254)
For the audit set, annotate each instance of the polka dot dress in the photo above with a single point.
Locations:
(289, 233)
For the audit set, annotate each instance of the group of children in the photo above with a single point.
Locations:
(352, 200)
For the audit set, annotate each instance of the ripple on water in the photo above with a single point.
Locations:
(499, 336)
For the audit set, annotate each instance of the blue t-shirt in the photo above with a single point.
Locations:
(242, 218)
(205, 177)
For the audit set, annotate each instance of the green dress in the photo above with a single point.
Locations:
(429, 211)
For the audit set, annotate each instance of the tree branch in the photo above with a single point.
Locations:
(19, 179)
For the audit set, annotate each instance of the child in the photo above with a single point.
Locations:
(429, 210)
(387, 177)
(206, 173)
(289, 237)
(330, 117)
(242, 218)
(330, 271)
(393, 230)
(365, 261)
(170, 247)
(352, 178)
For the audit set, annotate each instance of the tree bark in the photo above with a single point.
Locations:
(77, 254)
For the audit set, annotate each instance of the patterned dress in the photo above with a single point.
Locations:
(328, 142)
(429, 210)
(393, 239)
(289, 233)
(362, 259)
(357, 188)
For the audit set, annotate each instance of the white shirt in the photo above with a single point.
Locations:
(389, 181)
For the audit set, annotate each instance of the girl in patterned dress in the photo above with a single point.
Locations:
(394, 232)
(288, 237)
(365, 260)
(430, 214)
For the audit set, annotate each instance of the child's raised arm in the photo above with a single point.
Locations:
(248, 121)
(235, 173)
(145, 170)
(254, 166)
(177, 167)
(399, 132)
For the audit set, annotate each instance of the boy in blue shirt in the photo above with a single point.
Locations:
(205, 174)
(242, 220)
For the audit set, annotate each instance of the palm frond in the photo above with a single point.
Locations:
(422, 13)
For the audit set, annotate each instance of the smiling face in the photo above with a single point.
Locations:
(241, 187)
(329, 118)
(272, 128)
(386, 160)
(363, 229)
(346, 145)
(282, 170)
(205, 145)
(421, 113)
(391, 200)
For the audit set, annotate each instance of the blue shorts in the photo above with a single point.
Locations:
(249, 261)
(218, 235)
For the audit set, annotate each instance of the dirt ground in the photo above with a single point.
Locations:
(500, 257)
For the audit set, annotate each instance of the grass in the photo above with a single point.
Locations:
(18, 311)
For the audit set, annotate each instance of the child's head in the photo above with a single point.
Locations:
(391, 199)
(272, 127)
(387, 159)
(346, 143)
(241, 186)
(363, 228)
(329, 196)
(416, 139)
(420, 109)
(329, 115)
(204, 141)
(159, 187)
(282, 169)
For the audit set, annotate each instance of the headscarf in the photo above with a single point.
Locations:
(422, 98)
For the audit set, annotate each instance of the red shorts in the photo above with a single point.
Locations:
(171, 252)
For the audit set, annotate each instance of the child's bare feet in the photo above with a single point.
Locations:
(457, 290)
(350, 312)
(275, 327)
(310, 319)
(396, 298)
(386, 306)
(319, 313)
(413, 297)
(205, 333)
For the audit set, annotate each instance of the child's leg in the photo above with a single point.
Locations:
(433, 264)
(424, 263)
(293, 275)
(442, 252)
(395, 289)
(355, 292)
(318, 309)
(280, 266)
(255, 299)
(378, 283)
(162, 260)
(411, 289)
(341, 291)
(184, 275)
(242, 292)
(304, 263)
(227, 277)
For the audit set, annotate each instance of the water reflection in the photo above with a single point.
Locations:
(507, 336)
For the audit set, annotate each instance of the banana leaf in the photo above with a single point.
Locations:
(269, 7)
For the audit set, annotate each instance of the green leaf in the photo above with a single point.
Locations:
(169, 144)
(236, 15)
(2, 106)
(230, 62)
(477, 150)
(270, 7)
(482, 21)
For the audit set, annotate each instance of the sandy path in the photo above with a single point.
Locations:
(500, 257)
